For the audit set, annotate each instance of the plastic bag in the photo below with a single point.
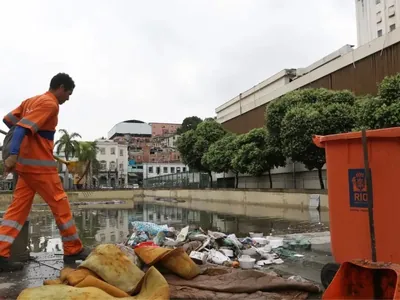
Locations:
(149, 227)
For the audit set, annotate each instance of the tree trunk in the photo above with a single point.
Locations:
(66, 179)
(321, 181)
(66, 173)
(236, 180)
(91, 175)
(211, 180)
(270, 179)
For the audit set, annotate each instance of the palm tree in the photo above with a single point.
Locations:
(70, 146)
(87, 154)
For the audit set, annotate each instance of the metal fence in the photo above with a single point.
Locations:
(178, 180)
(300, 180)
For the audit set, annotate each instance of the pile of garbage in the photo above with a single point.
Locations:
(254, 251)
(159, 273)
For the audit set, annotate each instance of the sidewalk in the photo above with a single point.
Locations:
(45, 266)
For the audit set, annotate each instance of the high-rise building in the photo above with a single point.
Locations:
(376, 18)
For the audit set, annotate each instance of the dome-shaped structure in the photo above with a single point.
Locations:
(130, 127)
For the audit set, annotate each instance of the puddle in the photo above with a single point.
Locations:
(109, 224)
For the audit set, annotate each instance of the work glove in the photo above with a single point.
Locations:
(9, 163)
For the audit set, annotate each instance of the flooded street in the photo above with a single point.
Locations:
(109, 223)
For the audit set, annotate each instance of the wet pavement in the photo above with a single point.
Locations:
(109, 223)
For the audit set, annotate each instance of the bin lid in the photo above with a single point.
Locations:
(320, 140)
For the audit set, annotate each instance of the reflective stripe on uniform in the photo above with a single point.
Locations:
(29, 123)
(11, 223)
(14, 120)
(70, 238)
(67, 225)
(37, 162)
(6, 238)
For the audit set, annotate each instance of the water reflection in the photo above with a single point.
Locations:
(112, 224)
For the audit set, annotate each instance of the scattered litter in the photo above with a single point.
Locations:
(199, 258)
(278, 261)
(183, 234)
(298, 255)
(217, 257)
(247, 262)
(254, 251)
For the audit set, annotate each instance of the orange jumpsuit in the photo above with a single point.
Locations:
(38, 173)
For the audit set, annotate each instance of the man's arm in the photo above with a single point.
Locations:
(18, 135)
(38, 115)
(13, 117)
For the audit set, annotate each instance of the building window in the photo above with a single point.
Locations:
(378, 17)
(158, 170)
(380, 33)
(178, 169)
(184, 169)
(391, 11)
(150, 169)
(112, 166)
(392, 27)
(102, 151)
(103, 165)
(113, 151)
(172, 169)
(121, 167)
(121, 152)
(165, 170)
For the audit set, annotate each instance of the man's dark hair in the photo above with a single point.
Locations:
(62, 79)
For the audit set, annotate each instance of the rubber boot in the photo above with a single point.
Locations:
(81, 255)
(9, 266)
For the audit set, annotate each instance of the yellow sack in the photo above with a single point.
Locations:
(114, 267)
(175, 260)
(153, 286)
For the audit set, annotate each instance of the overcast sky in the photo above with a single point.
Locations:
(159, 61)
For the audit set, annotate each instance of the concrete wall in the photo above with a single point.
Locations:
(248, 99)
(6, 198)
(292, 176)
(107, 195)
(278, 198)
(358, 71)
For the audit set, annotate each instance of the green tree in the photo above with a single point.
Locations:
(305, 120)
(256, 154)
(70, 146)
(389, 89)
(382, 111)
(194, 144)
(219, 156)
(87, 154)
(189, 123)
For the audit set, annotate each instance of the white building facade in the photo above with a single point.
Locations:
(159, 169)
(376, 18)
(113, 158)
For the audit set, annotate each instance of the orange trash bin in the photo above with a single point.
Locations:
(347, 193)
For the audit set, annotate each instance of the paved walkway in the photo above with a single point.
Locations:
(44, 266)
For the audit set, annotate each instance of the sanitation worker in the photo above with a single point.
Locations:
(31, 155)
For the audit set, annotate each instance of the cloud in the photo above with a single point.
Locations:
(159, 61)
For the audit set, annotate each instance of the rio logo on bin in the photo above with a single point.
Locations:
(358, 188)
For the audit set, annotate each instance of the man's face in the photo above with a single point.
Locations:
(63, 95)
